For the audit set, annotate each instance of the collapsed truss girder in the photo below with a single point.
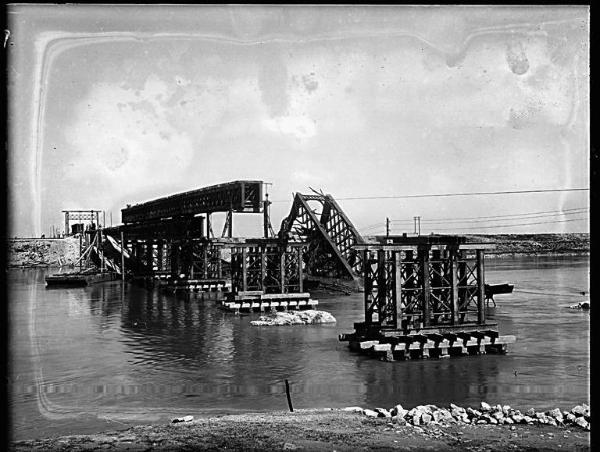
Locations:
(330, 236)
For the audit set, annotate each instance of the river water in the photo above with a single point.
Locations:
(106, 356)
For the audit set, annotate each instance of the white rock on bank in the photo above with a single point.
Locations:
(485, 406)
(309, 317)
(183, 419)
(353, 409)
(581, 410)
(383, 412)
(399, 411)
(370, 413)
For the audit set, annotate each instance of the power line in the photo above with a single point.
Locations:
(440, 195)
(529, 217)
(500, 217)
(371, 226)
(512, 225)
(492, 218)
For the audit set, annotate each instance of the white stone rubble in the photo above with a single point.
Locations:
(487, 414)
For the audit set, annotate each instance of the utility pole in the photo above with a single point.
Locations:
(387, 227)
(266, 214)
(417, 221)
(266, 217)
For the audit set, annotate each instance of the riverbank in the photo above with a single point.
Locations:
(32, 252)
(508, 245)
(318, 430)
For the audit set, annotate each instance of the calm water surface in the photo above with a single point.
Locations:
(107, 356)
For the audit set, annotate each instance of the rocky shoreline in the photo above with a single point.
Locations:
(426, 427)
(579, 416)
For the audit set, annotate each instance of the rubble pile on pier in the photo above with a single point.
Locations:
(309, 317)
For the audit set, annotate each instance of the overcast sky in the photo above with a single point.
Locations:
(112, 105)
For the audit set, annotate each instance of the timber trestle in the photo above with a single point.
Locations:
(424, 297)
(267, 274)
(169, 240)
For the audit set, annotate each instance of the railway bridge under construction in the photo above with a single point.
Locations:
(420, 293)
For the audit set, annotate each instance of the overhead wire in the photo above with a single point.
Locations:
(440, 195)
(522, 217)
(491, 218)
(512, 225)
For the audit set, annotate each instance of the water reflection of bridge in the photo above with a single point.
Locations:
(208, 349)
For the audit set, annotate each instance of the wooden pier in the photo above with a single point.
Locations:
(257, 301)
(267, 274)
(197, 285)
(424, 297)
(429, 343)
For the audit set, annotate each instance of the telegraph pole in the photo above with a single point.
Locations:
(266, 220)
(266, 214)
(417, 221)
(387, 227)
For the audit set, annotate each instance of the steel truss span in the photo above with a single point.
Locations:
(330, 235)
(237, 196)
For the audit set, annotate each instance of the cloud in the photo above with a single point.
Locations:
(516, 58)
(296, 126)
(125, 136)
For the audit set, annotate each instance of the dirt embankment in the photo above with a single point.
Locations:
(318, 430)
(42, 252)
(535, 244)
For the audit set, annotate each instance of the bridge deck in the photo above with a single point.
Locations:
(237, 196)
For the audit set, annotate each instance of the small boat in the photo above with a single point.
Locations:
(495, 289)
(80, 278)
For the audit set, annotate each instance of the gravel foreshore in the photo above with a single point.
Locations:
(348, 429)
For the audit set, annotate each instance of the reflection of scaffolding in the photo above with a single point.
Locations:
(329, 233)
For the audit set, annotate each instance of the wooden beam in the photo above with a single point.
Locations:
(381, 287)
(205, 262)
(282, 270)
(300, 273)
(262, 268)
(244, 271)
(454, 286)
(397, 289)
(480, 288)
(219, 263)
(368, 285)
(122, 256)
(425, 284)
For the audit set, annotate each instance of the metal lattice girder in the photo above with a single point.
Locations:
(179, 228)
(330, 235)
(238, 196)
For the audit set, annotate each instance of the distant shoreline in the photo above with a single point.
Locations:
(51, 252)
